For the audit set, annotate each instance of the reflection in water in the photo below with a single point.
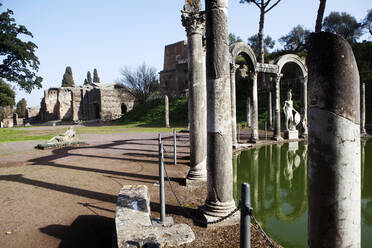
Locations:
(277, 175)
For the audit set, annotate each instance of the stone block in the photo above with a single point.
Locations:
(133, 223)
(291, 134)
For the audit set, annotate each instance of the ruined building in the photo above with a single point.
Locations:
(173, 77)
(81, 103)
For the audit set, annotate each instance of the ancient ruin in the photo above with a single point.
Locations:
(102, 102)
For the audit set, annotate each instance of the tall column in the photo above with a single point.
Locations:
(277, 136)
(304, 128)
(166, 110)
(334, 172)
(269, 108)
(233, 68)
(254, 114)
(194, 22)
(248, 111)
(219, 200)
(363, 108)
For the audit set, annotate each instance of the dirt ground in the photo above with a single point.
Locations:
(66, 197)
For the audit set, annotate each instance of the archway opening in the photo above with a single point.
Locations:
(124, 108)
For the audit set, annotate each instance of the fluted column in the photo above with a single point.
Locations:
(233, 68)
(277, 136)
(254, 120)
(194, 22)
(219, 200)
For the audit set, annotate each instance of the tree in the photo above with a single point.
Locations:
(140, 83)
(367, 21)
(296, 39)
(19, 62)
(253, 41)
(233, 39)
(319, 18)
(21, 108)
(95, 76)
(7, 95)
(88, 80)
(68, 80)
(264, 7)
(343, 24)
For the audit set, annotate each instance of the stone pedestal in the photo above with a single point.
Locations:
(290, 134)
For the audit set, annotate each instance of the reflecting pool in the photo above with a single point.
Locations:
(277, 175)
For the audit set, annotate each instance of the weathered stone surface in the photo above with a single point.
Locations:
(334, 173)
(88, 102)
(290, 134)
(133, 222)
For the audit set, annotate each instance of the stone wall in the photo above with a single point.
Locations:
(89, 102)
(33, 114)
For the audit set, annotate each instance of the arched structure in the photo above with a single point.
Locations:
(281, 62)
(244, 50)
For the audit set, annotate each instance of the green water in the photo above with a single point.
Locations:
(278, 180)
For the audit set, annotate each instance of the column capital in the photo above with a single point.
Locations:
(194, 22)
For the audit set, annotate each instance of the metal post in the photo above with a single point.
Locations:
(245, 218)
(175, 146)
(161, 180)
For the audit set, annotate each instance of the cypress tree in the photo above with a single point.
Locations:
(95, 76)
(21, 108)
(68, 80)
(88, 80)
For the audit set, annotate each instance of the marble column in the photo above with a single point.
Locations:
(248, 111)
(194, 22)
(304, 127)
(363, 109)
(219, 200)
(277, 136)
(269, 108)
(334, 173)
(233, 68)
(166, 110)
(254, 113)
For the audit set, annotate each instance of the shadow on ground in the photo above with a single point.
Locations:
(90, 231)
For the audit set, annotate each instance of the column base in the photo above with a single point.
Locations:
(217, 209)
(198, 172)
(253, 140)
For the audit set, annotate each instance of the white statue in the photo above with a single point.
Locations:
(290, 121)
(68, 136)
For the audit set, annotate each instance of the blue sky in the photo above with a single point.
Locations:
(108, 35)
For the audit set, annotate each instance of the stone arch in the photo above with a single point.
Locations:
(291, 58)
(243, 49)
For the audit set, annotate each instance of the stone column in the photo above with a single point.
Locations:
(233, 68)
(219, 200)
(363, 108)
(277, 136)
(248, 111)
(304, 128)
(334, 172)
(194, 22)
(269, 108)
(166, 107)
(254, 113)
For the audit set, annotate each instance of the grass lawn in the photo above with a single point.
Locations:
(12, 135)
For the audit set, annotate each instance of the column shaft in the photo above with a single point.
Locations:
(363, 108)
(254, 97)
(334, 172)
(233, 103)
(166, 110)
(219, 200)
(277, 135)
